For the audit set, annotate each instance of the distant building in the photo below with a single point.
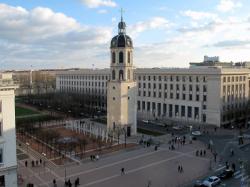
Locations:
(8, 162)
(211, 61)
(35, 81)
(204, 95)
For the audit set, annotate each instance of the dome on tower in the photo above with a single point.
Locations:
(121, 40)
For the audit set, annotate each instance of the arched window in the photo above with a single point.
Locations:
(113, 75)
(121, 57)
(128, 56)
(128, 74)
(113, 57)
(121, 75)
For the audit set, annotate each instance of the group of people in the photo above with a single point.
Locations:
(34, 163)
(176, 140)
(201, 152)
(68, 183)
(94, 157)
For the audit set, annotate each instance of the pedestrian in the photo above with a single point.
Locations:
(122, 171)
(37, 162)
(78, 181)
(54, 183)
(26, 163)
(75, 183)
(97, 157)
(32, 163)
(197, 153)
(156, 148)
(233, 167)
(200, 152)
(204, 152)
(215, 156)
(69, 183)
(232, 152)
(227, 165)
(181, 169)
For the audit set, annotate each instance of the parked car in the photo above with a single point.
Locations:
(212, 181)
(196, 133)
(177, 127)
(145, 121)
(227, 173)
(199, 184)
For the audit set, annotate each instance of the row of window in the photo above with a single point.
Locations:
(172, 86)
(85, 77)
(170, 110)
(233, 88)
(83, 90)
(234, 78)
(172, 78)
(78, 83)
(121, 57)
(176, 96)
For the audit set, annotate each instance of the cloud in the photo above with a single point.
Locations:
(102, 11)
(196, 15)
(99, 3)
(228, 5)
(153, 23)
(41, 36)
(232, 43)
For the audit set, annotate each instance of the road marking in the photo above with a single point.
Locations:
(236, 173)
(245, 178)
(134, 170)
(220, 168)
(238, 176)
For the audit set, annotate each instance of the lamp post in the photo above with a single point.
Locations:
(44, 161)
(27, 145)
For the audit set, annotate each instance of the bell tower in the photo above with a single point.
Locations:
(121, 95)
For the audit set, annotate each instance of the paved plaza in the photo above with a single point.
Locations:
(143, 167)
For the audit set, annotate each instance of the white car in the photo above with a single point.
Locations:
(212, 181)
(145, 121)
(196, 133)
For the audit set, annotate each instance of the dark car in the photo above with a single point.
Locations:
(228, 173)
(199, 184)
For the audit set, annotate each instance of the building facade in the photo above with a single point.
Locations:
(8, 162)
(204, 95)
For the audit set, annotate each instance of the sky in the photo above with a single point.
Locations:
(41, 34)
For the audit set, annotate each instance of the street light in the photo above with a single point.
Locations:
(27, 143)
(44, 161)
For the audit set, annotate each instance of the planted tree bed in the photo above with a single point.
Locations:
(60, 144)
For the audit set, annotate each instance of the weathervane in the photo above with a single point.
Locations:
(122, 11)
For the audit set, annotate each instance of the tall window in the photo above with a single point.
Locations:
(128, 74)
(113, 75)
(121, 57)
(1, 155)
(121, 75)
(113, 57)
(128, 56)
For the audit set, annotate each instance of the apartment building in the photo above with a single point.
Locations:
(204, 95)
(8, 162)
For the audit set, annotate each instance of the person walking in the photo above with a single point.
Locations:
(233, 167)
(26, 163)
(204, 152)
(200, 152)
(54, 183)
(122, 171)
(181, 169)
(232, 152)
